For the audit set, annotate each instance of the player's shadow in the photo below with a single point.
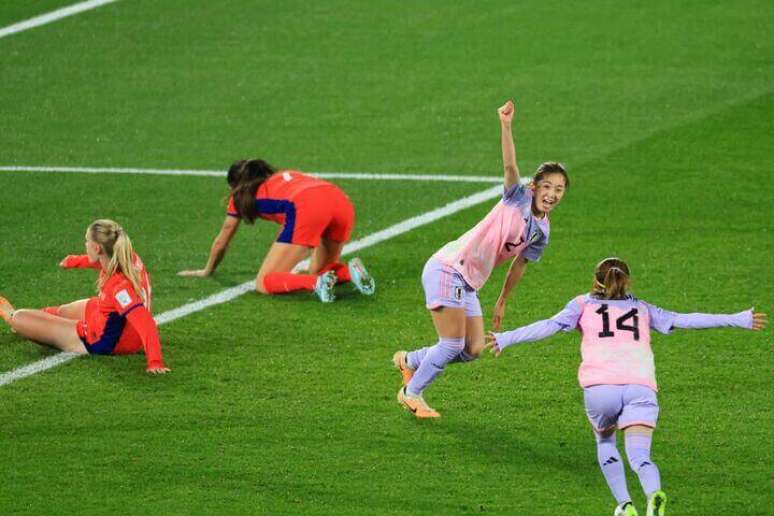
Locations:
(522, 445)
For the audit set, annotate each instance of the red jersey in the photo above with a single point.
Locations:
(119, 321)
(275, 195)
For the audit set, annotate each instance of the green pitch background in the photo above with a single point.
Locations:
(663, 113)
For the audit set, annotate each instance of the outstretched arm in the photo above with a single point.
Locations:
(510, 168)
(218, 249)
(142, 321)
(78, 261)
(748, 319)
(515, 273)
(535, 331)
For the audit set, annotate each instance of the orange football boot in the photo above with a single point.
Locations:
(417, 405)
(399, 361)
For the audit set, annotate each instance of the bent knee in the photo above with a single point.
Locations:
(474, 348)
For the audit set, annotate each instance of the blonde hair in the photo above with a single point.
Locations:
(116, 245)
(611, 279)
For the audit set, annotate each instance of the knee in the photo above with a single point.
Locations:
(474, 347)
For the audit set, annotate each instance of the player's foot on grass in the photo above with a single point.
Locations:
(417, 405)
(360, 277)
(399, 361)
(625, 509)
(6, 310)
(324, 287)
(657, 504)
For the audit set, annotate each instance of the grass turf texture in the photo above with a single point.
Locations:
(283, 405)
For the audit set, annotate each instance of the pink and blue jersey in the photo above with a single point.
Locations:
(615, 345)
(507, 231)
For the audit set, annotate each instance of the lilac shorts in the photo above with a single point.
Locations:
(446, 287)
(608, 406)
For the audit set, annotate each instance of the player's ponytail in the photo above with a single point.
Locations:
(116, 245)
(244, 177)
(611, 279)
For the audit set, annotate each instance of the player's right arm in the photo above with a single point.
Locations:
(78, 261)
(218, 249)
(510, 168)
(565, 320)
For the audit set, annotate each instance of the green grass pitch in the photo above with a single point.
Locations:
(664, 113)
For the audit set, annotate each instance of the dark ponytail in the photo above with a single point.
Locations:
(244, 177)
(611, 279)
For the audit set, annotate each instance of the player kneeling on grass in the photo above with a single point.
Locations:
(617, 372)
(516, 228)
(116, 322)
(314, 214)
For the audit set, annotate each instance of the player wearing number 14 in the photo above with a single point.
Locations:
(617, 371)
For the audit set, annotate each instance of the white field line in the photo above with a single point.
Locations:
(248, 286)
(53, 16)
(221, 174)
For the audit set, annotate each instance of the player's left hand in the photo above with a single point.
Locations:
(759, 321)
(491, 345)
(158, 370)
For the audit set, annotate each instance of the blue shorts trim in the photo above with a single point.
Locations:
(107, 342)
(276, 206)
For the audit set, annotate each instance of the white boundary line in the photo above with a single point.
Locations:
(221, 173)
(248, 286)
(52, 16)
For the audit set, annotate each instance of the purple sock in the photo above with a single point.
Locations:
(432, 364)
(414, 358)
(612, 467)
(638, 451)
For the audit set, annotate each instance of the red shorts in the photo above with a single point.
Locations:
(323, 212)
(107, 335)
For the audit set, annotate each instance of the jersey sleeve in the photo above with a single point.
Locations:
(665, 321)
(532, 332)
(78, 261)
(143, 323)
(231, 210)
(124, 298)
(660, 320)
(516, 193)
(570, 315)
(566, 320)
(534, 251)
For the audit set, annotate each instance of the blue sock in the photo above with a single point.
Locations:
(433, 363)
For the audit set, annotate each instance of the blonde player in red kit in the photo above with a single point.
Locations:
(116, 322)
(314, 214)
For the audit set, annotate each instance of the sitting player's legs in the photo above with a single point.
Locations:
(75, 310)
(48, 329)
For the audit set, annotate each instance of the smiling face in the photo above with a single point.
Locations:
(548, 192)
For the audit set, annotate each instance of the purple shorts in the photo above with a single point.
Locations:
(446, 287)
(608, 406)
